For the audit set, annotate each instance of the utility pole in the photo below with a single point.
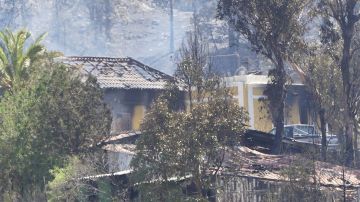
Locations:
(171, 26)
(195, 15)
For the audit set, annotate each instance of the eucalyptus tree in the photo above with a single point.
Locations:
(355, 93)
(194, 68)
(323, 81)
(188, 144)
(16, 56)
(342, 17)
(275, 30)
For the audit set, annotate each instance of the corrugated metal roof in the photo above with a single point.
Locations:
(121, 73)
(251, 163)
(122, 135)
(245, 162)
(120, 148)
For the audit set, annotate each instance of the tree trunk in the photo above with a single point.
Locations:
(323, 133)
(349, 150)
(233, 38)
(171, 27)
(279, 101)
(277, 147)
(356, 132)
(93, 196)
(344, 183)
(190, 97)
(345, 71)
(198, 184)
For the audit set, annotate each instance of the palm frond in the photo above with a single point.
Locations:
(34, 51)
(39, 39)
(14, 59)
(3, 57)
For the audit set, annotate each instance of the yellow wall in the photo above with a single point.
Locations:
(262, 120)
(293, 113)
(138, 116)
(233, 90)
(246, 97)
(258, 91)
(259, 114)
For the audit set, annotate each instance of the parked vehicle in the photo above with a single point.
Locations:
(306, 134)
(297, 138)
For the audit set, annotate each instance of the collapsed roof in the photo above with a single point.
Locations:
(120, 73)
(251, 163)
(245, 162)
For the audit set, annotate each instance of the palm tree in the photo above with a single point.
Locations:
(15, 59)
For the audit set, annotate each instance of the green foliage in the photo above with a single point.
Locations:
(15, 59)
(187, 144)
(178, 145)
(174, 96)
(342, 19)
(273, 27)
(62, 187)
(69, 184)
(194, 70)
(323, 79)
(54, 116)
(162, 191)
(104, 190)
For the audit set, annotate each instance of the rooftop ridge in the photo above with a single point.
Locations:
(119, 73)
(148, 68)
(90, 58)
(113, 59)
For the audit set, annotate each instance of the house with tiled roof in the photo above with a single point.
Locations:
(129, 87)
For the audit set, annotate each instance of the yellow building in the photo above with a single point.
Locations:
(248, 90)
(130, 87)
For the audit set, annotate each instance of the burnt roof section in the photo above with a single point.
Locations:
(120, 73)
(251, 163)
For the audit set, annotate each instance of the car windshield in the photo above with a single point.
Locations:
(304, 130)
(287, 131)
(297, 131)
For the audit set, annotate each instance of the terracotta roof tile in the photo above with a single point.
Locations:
(123, 73)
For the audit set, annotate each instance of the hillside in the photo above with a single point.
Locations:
(138, 29)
